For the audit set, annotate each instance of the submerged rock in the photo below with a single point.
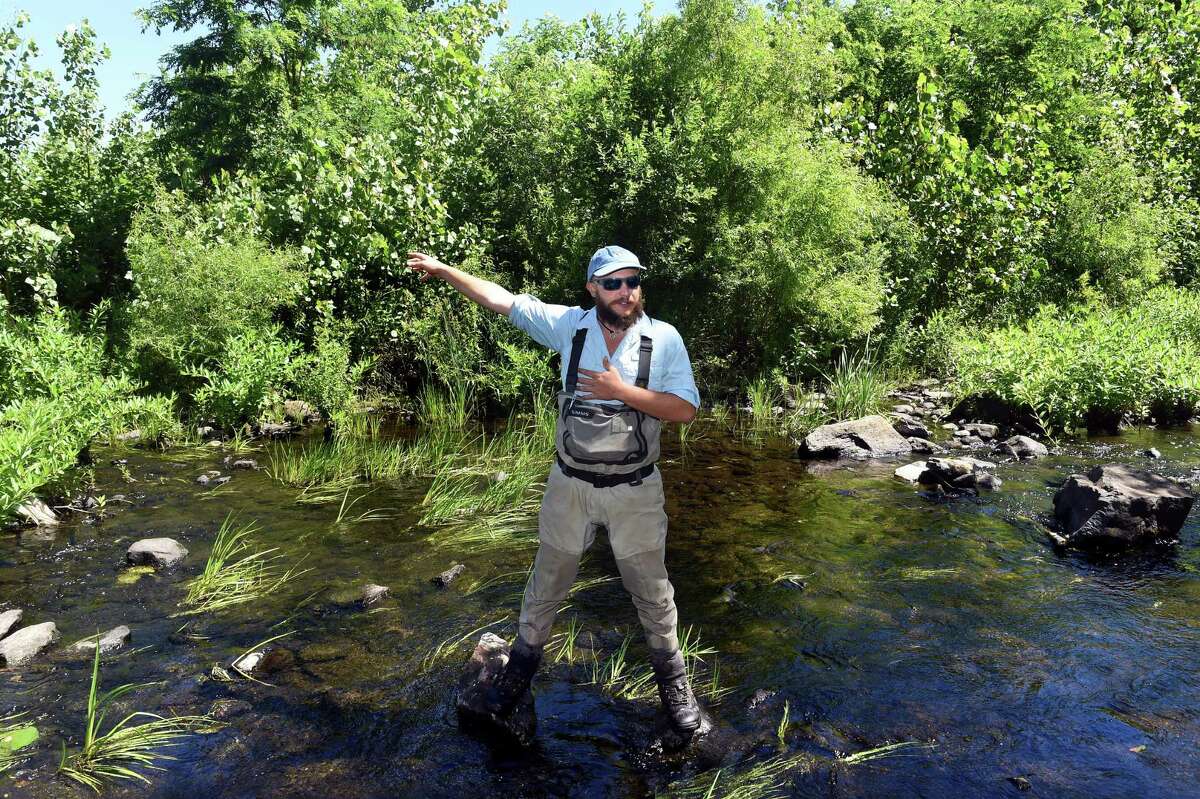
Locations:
(371, 594)
(868, 437)
(1117, 505)
(486, 663)
(244, 463)
(163, 553)
(954, 474)
(445, 578)
(111, 641)
(27, 643)
(9, 619)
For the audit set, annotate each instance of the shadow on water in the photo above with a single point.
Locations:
(875, 614)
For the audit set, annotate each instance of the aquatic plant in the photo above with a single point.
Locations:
(118, 753)
(445, 408)
(781, 730)
(562, 645)
(857, 386)
(763, 780)
(451, 645)
(618, 678)
(233, 574)
(887, 750)
(15, 734)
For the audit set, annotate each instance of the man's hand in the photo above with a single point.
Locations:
(427, 265)
(606, 385)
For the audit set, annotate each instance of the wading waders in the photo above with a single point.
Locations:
(605, 476)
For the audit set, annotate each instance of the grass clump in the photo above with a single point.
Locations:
(118, 753)
(234, 574)
(618, 677)
(1094, 366)
(857, 386)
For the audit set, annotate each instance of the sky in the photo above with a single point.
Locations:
(135, 54)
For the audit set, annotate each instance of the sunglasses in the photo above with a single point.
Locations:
(614, 283)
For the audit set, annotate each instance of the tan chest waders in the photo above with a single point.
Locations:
(606, 444)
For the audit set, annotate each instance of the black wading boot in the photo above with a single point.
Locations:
(678, 700)
(507, 689)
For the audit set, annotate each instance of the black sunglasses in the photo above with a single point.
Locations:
(614, 283)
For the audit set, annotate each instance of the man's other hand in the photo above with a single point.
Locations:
(427, 265)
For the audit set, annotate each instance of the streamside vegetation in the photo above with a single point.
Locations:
(828, 196)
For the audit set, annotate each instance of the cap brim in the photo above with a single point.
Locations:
(608, 269)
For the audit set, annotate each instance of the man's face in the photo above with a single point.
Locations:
(620, 305)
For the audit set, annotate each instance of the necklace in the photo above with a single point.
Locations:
(609, 329)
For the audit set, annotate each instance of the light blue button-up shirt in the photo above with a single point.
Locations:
(554, 326)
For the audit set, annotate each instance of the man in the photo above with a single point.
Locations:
(623, 373)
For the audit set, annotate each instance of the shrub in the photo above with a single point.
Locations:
(248, 378)
(1092, 363)
(328, 377)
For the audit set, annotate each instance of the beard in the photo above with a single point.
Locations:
(619, 320)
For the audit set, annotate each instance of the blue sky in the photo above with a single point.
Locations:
(135, 54)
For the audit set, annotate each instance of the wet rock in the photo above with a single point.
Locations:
(905, 410)
(1021, 783)
(958, 474)
(371, 594)
(275, 430)
(27, 643)
(921, 445)
(37, 513)
(129, 435)
(226, 709)
(486, 663)
(950, 426)
(869, 437)
(162, 553)
(248, 662)
(1023, 448)
(9, 620)
(911, 471)
(278, 659)
(244, 463)
(1117, 505)
(1152, 453)
(911, 428)
(111, 641)
(300, 412)
(987, 432)
(203, 479)
(445, 578)
(220, 481)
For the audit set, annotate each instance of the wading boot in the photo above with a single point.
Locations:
(677, 697)
(507, 689)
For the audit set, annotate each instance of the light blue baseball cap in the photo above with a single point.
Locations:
(607, 260)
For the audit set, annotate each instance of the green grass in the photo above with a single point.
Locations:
(857, 386)
(121, 752)
(617, 676)
(445, 408)
(233, 574)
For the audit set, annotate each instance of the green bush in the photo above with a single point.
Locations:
(247, 378)
(55, 397)
(327, 377)
(1094, 363)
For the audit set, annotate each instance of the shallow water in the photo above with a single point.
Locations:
(951, 623)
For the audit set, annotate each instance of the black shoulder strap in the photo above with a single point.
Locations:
(573, 364)
(645, 349)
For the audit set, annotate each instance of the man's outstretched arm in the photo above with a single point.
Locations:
(483, 292)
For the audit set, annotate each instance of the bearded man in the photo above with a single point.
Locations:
(623, 374)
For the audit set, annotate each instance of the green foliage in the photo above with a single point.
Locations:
(857, 386)
(233, 574)
(327, 377)
(123, 749)
(246, 379)
(1095, 364)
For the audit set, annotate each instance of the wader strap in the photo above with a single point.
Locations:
(634, 478)
(644, 351)
(573, 364)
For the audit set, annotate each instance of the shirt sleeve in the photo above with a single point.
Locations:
(677, 375)
(540, 320)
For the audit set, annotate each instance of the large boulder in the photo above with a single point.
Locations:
(486, 663)
(27, 643)
(868, 437)
(162, 553)
(1117, 505)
